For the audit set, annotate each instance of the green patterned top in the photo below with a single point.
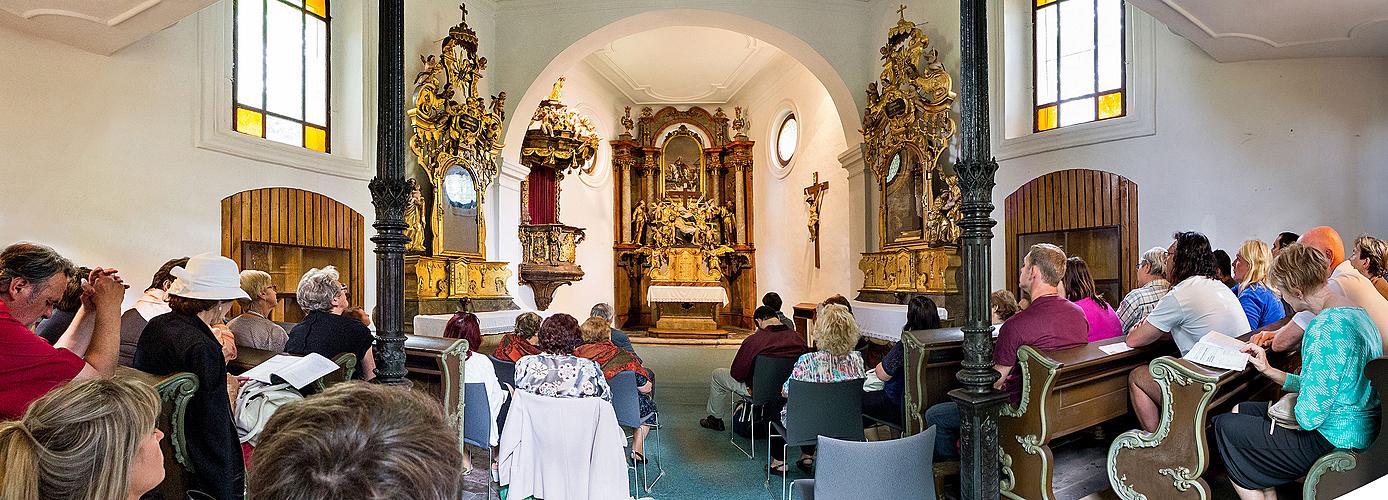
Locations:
(1334, 396)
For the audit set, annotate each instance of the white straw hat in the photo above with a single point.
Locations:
(208, 276)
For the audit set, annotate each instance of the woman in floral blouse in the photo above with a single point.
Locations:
(835, 334)
(556, 372)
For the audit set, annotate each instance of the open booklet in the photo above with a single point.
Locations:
(1217, 350)
(297, 371)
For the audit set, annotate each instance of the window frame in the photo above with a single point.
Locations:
(303, 122)
(780, 130)
(1122, 89)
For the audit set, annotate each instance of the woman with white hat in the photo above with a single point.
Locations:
(183, 341)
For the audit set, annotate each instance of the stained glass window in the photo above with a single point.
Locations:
(1078, 58)
(280, 71)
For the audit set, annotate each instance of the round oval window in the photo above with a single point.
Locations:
(787, 138)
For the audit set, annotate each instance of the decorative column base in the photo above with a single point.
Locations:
(978, 432)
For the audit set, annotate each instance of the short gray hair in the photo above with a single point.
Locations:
(33, 262)
(318, 288)
(1155, 260)
(602, 310)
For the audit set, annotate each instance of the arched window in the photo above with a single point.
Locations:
(280, 71)
(787, 138)
(1079, 62)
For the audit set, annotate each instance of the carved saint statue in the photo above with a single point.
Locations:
(554, 91)
(638, 223)
(414, 219)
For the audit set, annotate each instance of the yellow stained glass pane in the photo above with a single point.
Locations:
(319, 7)
(250, 122)
(1110, 105)
(1043, 3)
(315, 138)
(1046, 118)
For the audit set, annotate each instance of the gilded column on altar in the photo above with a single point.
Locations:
(626, 202)
(739, 192)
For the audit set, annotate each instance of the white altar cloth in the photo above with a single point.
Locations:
(884, 321)
(492, 323)
(663, 293)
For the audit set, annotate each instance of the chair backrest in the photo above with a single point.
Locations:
(832, 409)
(897, 468)
(767, 376)
(625, 399)
(505, 371)
(477, 415)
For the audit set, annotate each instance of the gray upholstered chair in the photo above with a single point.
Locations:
(897, 469)
(816, 410)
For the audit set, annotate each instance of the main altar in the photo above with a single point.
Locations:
(684, 254)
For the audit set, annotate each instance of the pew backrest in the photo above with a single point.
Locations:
(174, 393)
(932, 357)
(438, 363)
(1342, 471)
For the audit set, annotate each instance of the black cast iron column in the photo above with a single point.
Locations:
(389, 193)
(978, 402)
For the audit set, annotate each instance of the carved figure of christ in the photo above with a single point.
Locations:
(814, 196)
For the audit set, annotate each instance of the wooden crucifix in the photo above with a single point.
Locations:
(814, 196)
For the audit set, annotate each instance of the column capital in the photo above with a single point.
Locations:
(852, 160)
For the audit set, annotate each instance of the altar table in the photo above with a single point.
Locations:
(687, 311)
(492, 323)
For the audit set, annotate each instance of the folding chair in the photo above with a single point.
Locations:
(477, 423)
(814, 409)
(767, 376)
(854, 470)
(626, 404)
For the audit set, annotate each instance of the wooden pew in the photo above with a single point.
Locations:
(1342, 471)
(1062, 392)
(1170, 462)
(932, 358)
(247, 358)
(174, 393)
(435, 365)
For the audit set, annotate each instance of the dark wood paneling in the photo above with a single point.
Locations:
(1069, 200)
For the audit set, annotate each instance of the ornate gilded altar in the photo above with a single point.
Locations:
(558, 140)
(907, 127)
(683, 213)
(456, 139)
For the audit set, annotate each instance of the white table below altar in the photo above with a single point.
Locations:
(492, 323)
(883, 321)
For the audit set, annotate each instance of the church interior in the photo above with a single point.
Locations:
(728, 192)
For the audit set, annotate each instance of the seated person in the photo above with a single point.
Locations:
(316, 447)
(516, 345)
(154, 302)
(182, 341)
(887, 404)
(771, 339)
(1196, 305)
(477, 368)
(1288, 333)
(1223, 269)
(253, 327)
(1079, 288)
(773, 300)
(835, 334)
(1369, 257)
(1260, 305)
(1335, 406)
(555, 372)
(53, 327)
(598, 346)
(1049, 323)
(604, 310)
(1152, 286)
(89, 439)
(325, 330)
(32, 279)
(1001, 305)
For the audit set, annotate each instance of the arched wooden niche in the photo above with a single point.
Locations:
(1089, 213)
(285, 231)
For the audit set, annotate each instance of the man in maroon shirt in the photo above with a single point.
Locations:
(772, 339)
(32, 279)
(1050, 323)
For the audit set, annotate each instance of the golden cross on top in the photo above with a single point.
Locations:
(463, 7)
(902, 12)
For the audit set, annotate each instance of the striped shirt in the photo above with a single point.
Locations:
(1140, 301)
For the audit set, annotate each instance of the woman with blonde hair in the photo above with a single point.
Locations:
(1368, 257)
(599, 347)
(1251, 267)
(87, 440)
(835, 334)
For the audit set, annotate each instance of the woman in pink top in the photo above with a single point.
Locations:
(1079, 287)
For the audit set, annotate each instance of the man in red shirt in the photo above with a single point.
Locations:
(1050, 323)
(32, 279)
(772, 339)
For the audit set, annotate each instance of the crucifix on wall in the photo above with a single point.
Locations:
(814, 196)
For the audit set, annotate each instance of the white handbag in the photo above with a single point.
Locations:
(256, 403)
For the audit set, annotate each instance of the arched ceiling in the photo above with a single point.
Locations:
(683, 64)
(1241, 30)
(103, 26)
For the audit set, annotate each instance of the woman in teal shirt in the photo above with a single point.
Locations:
(1335, 407)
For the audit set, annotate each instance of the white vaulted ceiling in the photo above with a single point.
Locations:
(684, 65)
(1241, 30)
(100, 26)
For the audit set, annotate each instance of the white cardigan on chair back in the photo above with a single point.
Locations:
(562, 449)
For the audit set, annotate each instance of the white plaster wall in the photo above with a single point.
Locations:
(99, 158)
(785, 255)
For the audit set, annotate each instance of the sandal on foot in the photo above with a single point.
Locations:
(638, 457)
(777, 469)
(806, 465)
